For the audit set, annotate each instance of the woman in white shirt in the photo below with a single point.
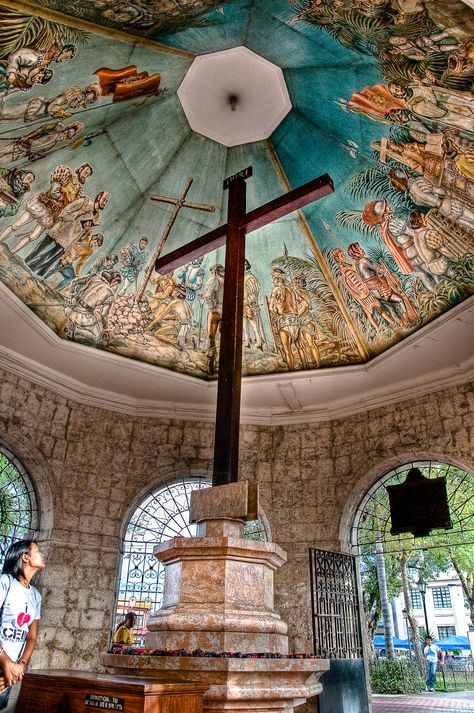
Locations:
(20, 612)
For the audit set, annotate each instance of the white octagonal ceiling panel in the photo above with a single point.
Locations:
(234, 97)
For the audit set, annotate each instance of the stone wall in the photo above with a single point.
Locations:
(91, 467)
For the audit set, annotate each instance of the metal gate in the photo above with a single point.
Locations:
(335, 605)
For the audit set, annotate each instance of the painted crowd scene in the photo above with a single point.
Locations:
(95, 151)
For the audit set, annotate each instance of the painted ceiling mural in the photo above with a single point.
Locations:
(95, 149)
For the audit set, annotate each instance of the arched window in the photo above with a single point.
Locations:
(372, 519)
(18, 508)
(161, 515)
(407, 581)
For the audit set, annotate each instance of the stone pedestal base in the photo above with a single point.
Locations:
(218, 596)
(218, 593)
(236, 685)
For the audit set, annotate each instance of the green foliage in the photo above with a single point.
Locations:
(22, 30)
(254, 530)
(375, 183)
(395, 677)
(348, 26)
(352, 219)
(14, 501)
(448, 291)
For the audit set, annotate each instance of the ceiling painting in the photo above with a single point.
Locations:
(96, 151)
(141, 17)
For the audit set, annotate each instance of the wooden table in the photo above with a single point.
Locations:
(81, 691)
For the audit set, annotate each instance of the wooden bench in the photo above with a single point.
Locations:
(80, 692)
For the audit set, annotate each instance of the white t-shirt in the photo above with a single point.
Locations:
(431, 653)
(21, 608)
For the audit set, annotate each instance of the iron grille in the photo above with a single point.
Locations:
(18, 510)
(335, 605)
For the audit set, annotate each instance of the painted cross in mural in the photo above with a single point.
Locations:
(232, 235)
(178, 203)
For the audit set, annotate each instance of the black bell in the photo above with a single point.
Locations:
(419, 505)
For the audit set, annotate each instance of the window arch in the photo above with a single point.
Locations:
(161, 515)
(18, 505)
(372, 518)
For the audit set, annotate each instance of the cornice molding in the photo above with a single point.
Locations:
(74, 389)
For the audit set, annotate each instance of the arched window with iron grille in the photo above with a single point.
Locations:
(18, 503)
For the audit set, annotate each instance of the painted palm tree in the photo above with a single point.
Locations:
(21, 30)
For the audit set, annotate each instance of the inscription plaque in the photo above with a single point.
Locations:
(107, 703)
(245, 173)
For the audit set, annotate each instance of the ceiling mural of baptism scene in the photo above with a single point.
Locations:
(101, 173)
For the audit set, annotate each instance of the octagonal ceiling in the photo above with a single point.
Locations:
(234, 97)
(95, 149)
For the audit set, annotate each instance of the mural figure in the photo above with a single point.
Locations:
(173, 320)
(379, 213)
(360, 291)
(40, 142)
(41, 107)
(252, 316)
(14, 184)
(424, 193)
(103, 262)
(75, 222)
(437, 107)
(91, 298)
(284, 317)
(376, 102)
(213, 295)
(122, 12)
(427, 251)
(191, 277)
(385, 284)
(165, 285)
(43, 209)
(457, 175)
(78, 252)
(308, 326)
(133, 259)
(27, 66)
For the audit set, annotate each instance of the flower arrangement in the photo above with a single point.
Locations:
(124, 650)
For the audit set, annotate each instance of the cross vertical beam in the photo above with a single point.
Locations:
(232, 235)
(226, 438)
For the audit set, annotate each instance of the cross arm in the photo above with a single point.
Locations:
(196, 248)
(288, 202)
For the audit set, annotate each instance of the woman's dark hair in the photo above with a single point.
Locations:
(130, 615)
(13, 564)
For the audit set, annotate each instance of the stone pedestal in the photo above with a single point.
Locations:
(218, 597)
(236, 685)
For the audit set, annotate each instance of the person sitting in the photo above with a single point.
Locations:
(123, 632)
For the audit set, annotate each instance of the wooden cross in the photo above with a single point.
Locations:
(232, 235)
(178, 203)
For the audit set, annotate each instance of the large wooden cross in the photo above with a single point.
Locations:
(232, 235)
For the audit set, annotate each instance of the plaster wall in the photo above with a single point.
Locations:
(90, 467)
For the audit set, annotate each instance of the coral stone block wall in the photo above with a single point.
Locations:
(91, 467)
